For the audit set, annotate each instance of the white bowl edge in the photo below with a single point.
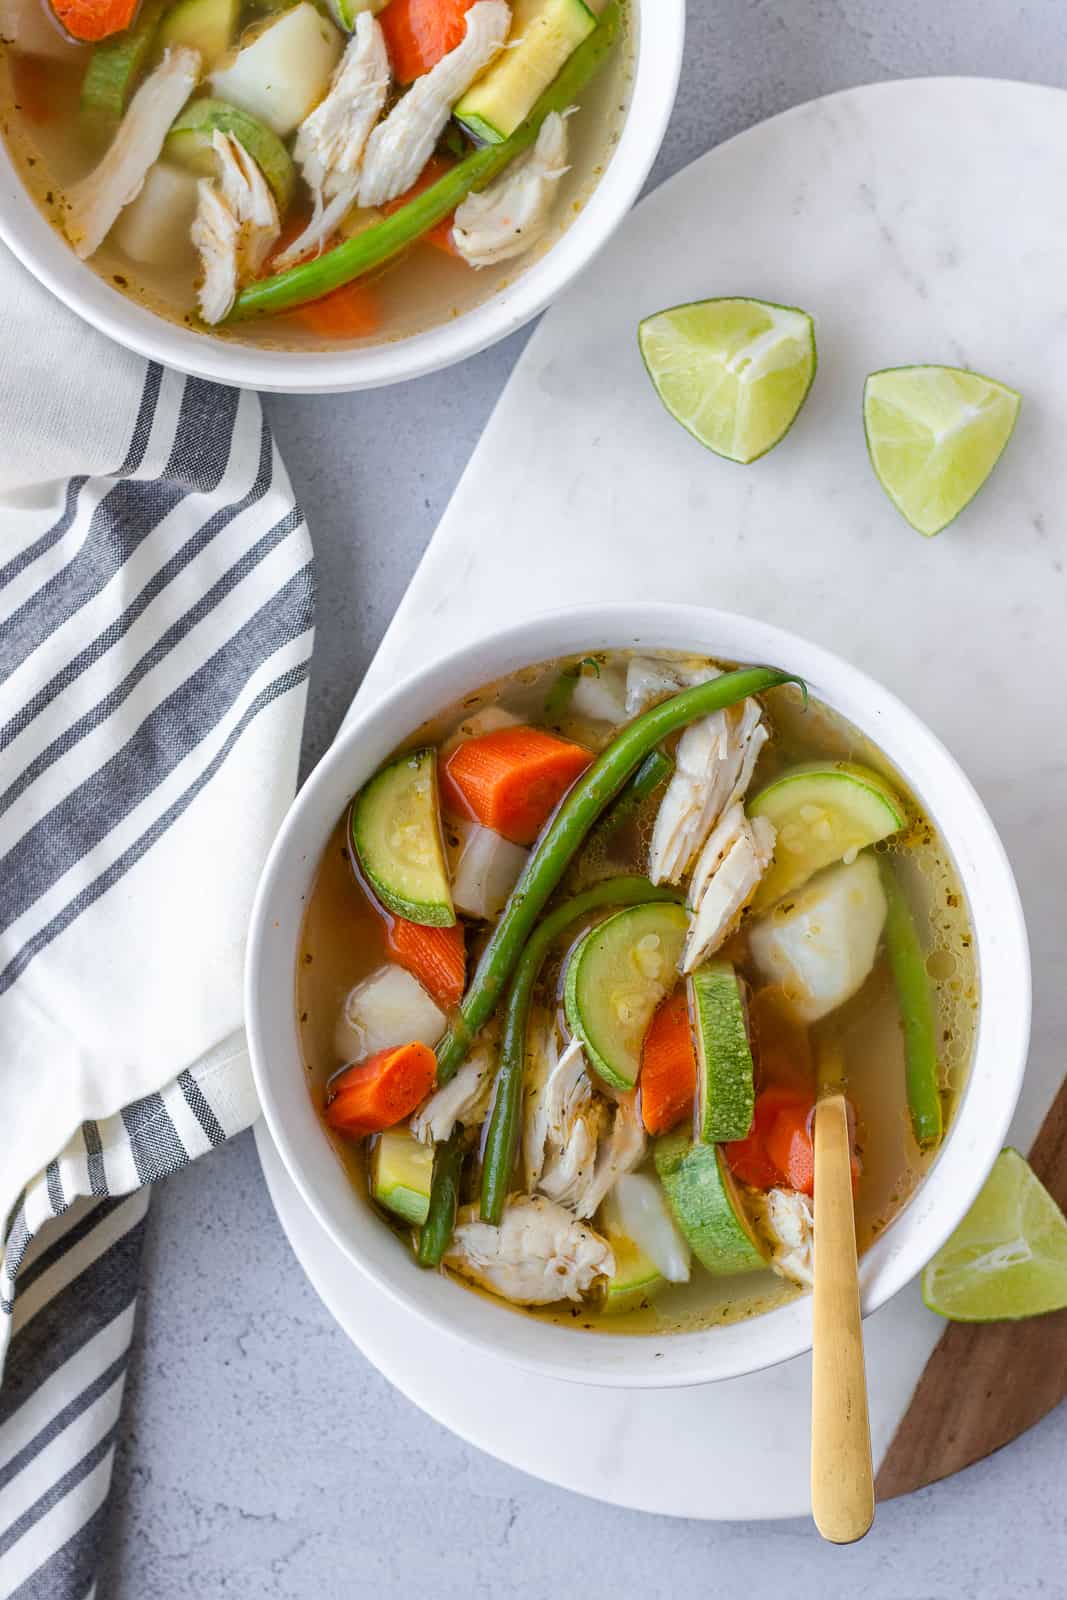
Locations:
(981, 1119)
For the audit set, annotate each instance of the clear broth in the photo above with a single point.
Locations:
(343, 941)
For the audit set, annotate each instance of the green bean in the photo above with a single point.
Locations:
(655, 769)
(380, 242)
(498, 1156)
(436, 1231)
(907, 963)
(563, 837)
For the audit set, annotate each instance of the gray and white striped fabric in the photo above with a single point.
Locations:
(156, 625)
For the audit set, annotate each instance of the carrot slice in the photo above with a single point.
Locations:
(419, 32)
(511, 780)
(749, 1159)
(383, 1090)
(789, 1146)
(441, 235)
(350, 312)
(90, 20)
(668, 1066)
(436, 956)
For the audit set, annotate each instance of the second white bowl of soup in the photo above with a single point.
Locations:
(720, 885)
(208, 146)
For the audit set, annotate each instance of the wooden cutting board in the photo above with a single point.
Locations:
(986, 1382)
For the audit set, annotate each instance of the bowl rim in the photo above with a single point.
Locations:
(1001, 1035)
(33, 239)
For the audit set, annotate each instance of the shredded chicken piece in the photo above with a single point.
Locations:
(539, 1254)
(400, 147)
(714, 763)
(541, 1057)
(331, 141)
(95, 202)
(619, 1154)
(464, 1099)
(509, 216)
(571, 1115)
(235, 226)
(726, 876)
(785, 1219)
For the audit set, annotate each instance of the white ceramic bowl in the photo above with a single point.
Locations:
(659, 31)
(981, 1119)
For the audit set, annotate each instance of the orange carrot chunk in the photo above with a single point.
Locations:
(419, 32)
(383, 1090)
(790, 1148)
(749, 1159)
(90, 20)
(668, 1066)
(511, 780)
(350, 312)
(436, 956)
(441, 235)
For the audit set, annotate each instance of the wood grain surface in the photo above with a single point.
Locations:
(985, 1383)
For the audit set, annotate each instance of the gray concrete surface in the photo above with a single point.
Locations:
(261, 1455)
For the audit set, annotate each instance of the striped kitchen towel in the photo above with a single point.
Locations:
(155, 634)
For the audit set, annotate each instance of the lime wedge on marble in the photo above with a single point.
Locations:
(734, 372)
(934, 436)
(1008, 1257)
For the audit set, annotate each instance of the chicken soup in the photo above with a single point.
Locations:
(301, 174)
(574, 962)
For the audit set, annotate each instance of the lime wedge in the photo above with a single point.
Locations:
(734, 372)
(1008, 1257)
(934, 436)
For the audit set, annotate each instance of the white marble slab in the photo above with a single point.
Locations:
(917, 221)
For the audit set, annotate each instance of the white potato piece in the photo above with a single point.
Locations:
(485, 868)
(284, 73)
(637, 1208)
(386, 1009)
(154, 228)
(821, 943)
(600, 696)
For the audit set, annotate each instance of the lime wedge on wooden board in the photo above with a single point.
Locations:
(1008, 1257)
(733, 372)
(934, 436)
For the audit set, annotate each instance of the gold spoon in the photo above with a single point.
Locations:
(842, 1473)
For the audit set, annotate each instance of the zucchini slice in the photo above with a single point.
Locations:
(543, 34)
(708, 1205)
(401, 1173)
(204, 25)
(189, 143)
(822, 812)
(116, 65)
(616, 978)
(636, 1278)
(395, 828)
(725, 1093)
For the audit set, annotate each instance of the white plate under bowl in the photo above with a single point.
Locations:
(907, 216)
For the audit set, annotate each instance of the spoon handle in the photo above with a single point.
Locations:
(842, 1476)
